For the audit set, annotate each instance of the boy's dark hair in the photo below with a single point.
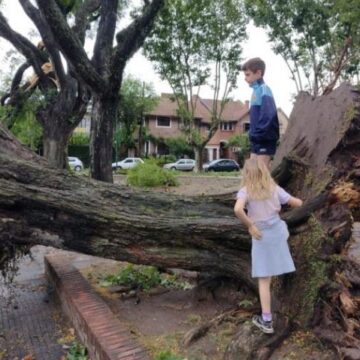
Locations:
(254, 65)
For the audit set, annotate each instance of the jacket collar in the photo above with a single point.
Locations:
(257, 83)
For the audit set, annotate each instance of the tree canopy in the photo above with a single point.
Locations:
(203, 46)
(319, 40)
(137, 98)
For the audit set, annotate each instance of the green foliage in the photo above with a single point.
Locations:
(150, 175)
(168, 355)
(203, 44)
(144, 277)
(240, 140)
(23, 124)
(163, 159)
(28, 131)
(243, 143)
(79, 139)
(77, 352)
(82, 152)
(137, 98)
(311, 36)
(178, 146)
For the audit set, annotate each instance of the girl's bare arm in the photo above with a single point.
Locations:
(295, 202)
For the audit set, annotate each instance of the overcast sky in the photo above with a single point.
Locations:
(277, 75)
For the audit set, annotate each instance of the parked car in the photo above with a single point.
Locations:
(75, 163)
(222, 165)
(182, 164)
(127, 163)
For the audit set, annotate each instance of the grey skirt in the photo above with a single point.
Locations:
(270, 255)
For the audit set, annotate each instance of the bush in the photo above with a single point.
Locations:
(144, 277)
(164, 159)
(150, 175)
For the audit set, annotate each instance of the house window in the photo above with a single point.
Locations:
(246, 127)
(163, 121)
(227, 126)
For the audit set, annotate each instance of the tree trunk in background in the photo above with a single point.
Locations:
(198, 151)
(55, 150)
(59, 121)
(318, 160)
(103, 118)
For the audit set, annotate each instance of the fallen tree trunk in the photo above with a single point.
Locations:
(318, 161)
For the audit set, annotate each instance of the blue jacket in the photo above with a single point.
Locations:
(264, 123)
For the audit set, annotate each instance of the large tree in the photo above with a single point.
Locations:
(103, 72)
(61, 95)
(203, 42)
(66, 94)
(317, 161)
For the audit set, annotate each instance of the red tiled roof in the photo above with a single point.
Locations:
(233, 111)
(166, 107)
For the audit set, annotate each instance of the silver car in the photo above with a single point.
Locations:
(182, 164)
(75, 163)
(127, 163)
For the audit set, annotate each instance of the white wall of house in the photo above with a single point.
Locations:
(213, 152)
(148, 147)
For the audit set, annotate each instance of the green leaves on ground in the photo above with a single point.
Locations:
(77, 352)
(143, 277)
(167, 355)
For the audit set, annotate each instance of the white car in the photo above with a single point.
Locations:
(127, 163)
(75, 163)
(182, 164)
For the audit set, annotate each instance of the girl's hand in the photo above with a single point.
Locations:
(255, 232)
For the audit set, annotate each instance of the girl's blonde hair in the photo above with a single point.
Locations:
(257, 180)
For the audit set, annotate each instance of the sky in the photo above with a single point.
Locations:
(277, 75)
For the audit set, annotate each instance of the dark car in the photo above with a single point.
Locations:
(222, 165)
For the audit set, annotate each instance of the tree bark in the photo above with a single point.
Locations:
(104, 113)
(40, 205)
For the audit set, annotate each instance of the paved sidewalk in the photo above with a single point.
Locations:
(30, 323)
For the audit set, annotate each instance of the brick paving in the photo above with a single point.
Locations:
(28, 324)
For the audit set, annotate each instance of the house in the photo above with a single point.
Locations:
(163, 122)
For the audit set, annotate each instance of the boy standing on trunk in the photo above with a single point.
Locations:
(264, 123)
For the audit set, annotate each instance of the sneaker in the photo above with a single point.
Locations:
(264, 326)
